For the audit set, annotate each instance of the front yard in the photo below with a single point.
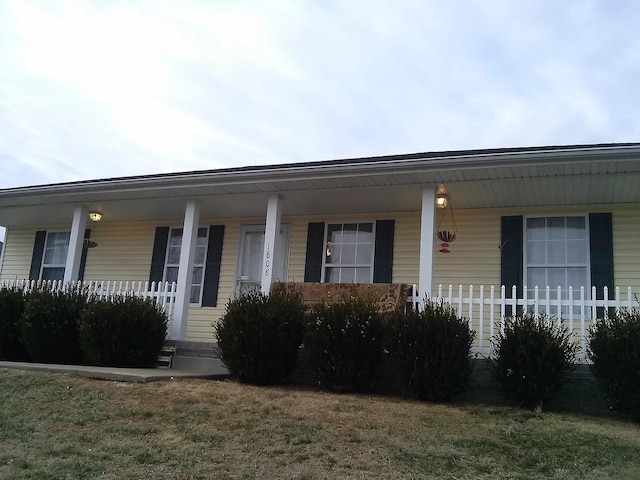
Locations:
(57, 426)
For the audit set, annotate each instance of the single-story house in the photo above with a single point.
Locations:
(563, 217)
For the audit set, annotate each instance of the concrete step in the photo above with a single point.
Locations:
(204, 365)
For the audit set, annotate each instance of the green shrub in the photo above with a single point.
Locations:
(614, 349)
(49, 325)
(345, 343)
(432, 349)
(259, 335)
(125, 331)
(531, 359)
(11, 309)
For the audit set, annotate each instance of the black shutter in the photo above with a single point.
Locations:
(212, 266)
(383, 257)
(159, 254)
(511, 251)
(36, 257)
(315, 250)
(83, 257)
(601, 253)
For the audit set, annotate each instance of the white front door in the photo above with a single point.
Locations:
(248, 272)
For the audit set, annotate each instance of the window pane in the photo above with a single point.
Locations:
(576, 278)
(363, 275)
(56, 248)
(332, 275)
(556, 251)
(197, 275)
(348, 254)
(556, 277)
(173, 256)
(52, 273)
(365, 233)
(576, 251)
(175, 239)
(536, 277)
(365, 254)
(536, 252)
(535, 228)
(172, 274)
(576, 228)
(352, 244)
(555, 228)
(195, 294)
(347, 275)
(334, 233)
(349, 233)
(199, 256)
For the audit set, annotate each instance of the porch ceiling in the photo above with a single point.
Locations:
(545, 177)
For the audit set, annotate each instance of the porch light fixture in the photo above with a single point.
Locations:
(446, 230)
(442, 200)
(95, 216)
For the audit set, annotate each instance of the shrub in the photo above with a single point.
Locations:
(125, 331)
(432, 349)
(531, 359)
(259, 335)
(614, 349)
(11, 309)
(345, 343)
(49, 325)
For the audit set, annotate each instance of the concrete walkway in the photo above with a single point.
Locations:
(117, 374)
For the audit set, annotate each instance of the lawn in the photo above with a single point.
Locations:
(59, 426)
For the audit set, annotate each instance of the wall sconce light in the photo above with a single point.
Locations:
(95, 216)
(442, 200)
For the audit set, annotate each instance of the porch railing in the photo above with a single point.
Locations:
(486, 308)
(162, 293)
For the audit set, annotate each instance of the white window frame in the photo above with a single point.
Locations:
(44, 265)
(202, 265)
(326, 265)
(586, 265)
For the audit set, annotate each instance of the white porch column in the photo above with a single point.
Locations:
(185, 270)
(271, 236)
(427, 227)
(76, 242)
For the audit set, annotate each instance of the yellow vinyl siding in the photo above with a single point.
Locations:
(626, 251)
(123, 253)
(18, 249)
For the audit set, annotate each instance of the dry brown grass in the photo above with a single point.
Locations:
(58, 426)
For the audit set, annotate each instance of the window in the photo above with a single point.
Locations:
(349, 253)
(54, 257)
(172, 262)
(557, 254)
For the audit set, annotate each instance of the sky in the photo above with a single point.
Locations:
(98, 89)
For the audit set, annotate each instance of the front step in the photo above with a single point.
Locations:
(197, 357)
(165, 357)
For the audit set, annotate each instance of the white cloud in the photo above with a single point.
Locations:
(93, 89)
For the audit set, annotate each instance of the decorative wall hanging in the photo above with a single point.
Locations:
(446, 230)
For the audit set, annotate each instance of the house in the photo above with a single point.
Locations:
(562, 217)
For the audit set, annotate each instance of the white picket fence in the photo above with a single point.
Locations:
(162, 293)
(486, 308)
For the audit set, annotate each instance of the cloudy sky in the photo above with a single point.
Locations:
(97, 88)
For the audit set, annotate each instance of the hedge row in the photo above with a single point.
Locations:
(259, 338)
(72, 327)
